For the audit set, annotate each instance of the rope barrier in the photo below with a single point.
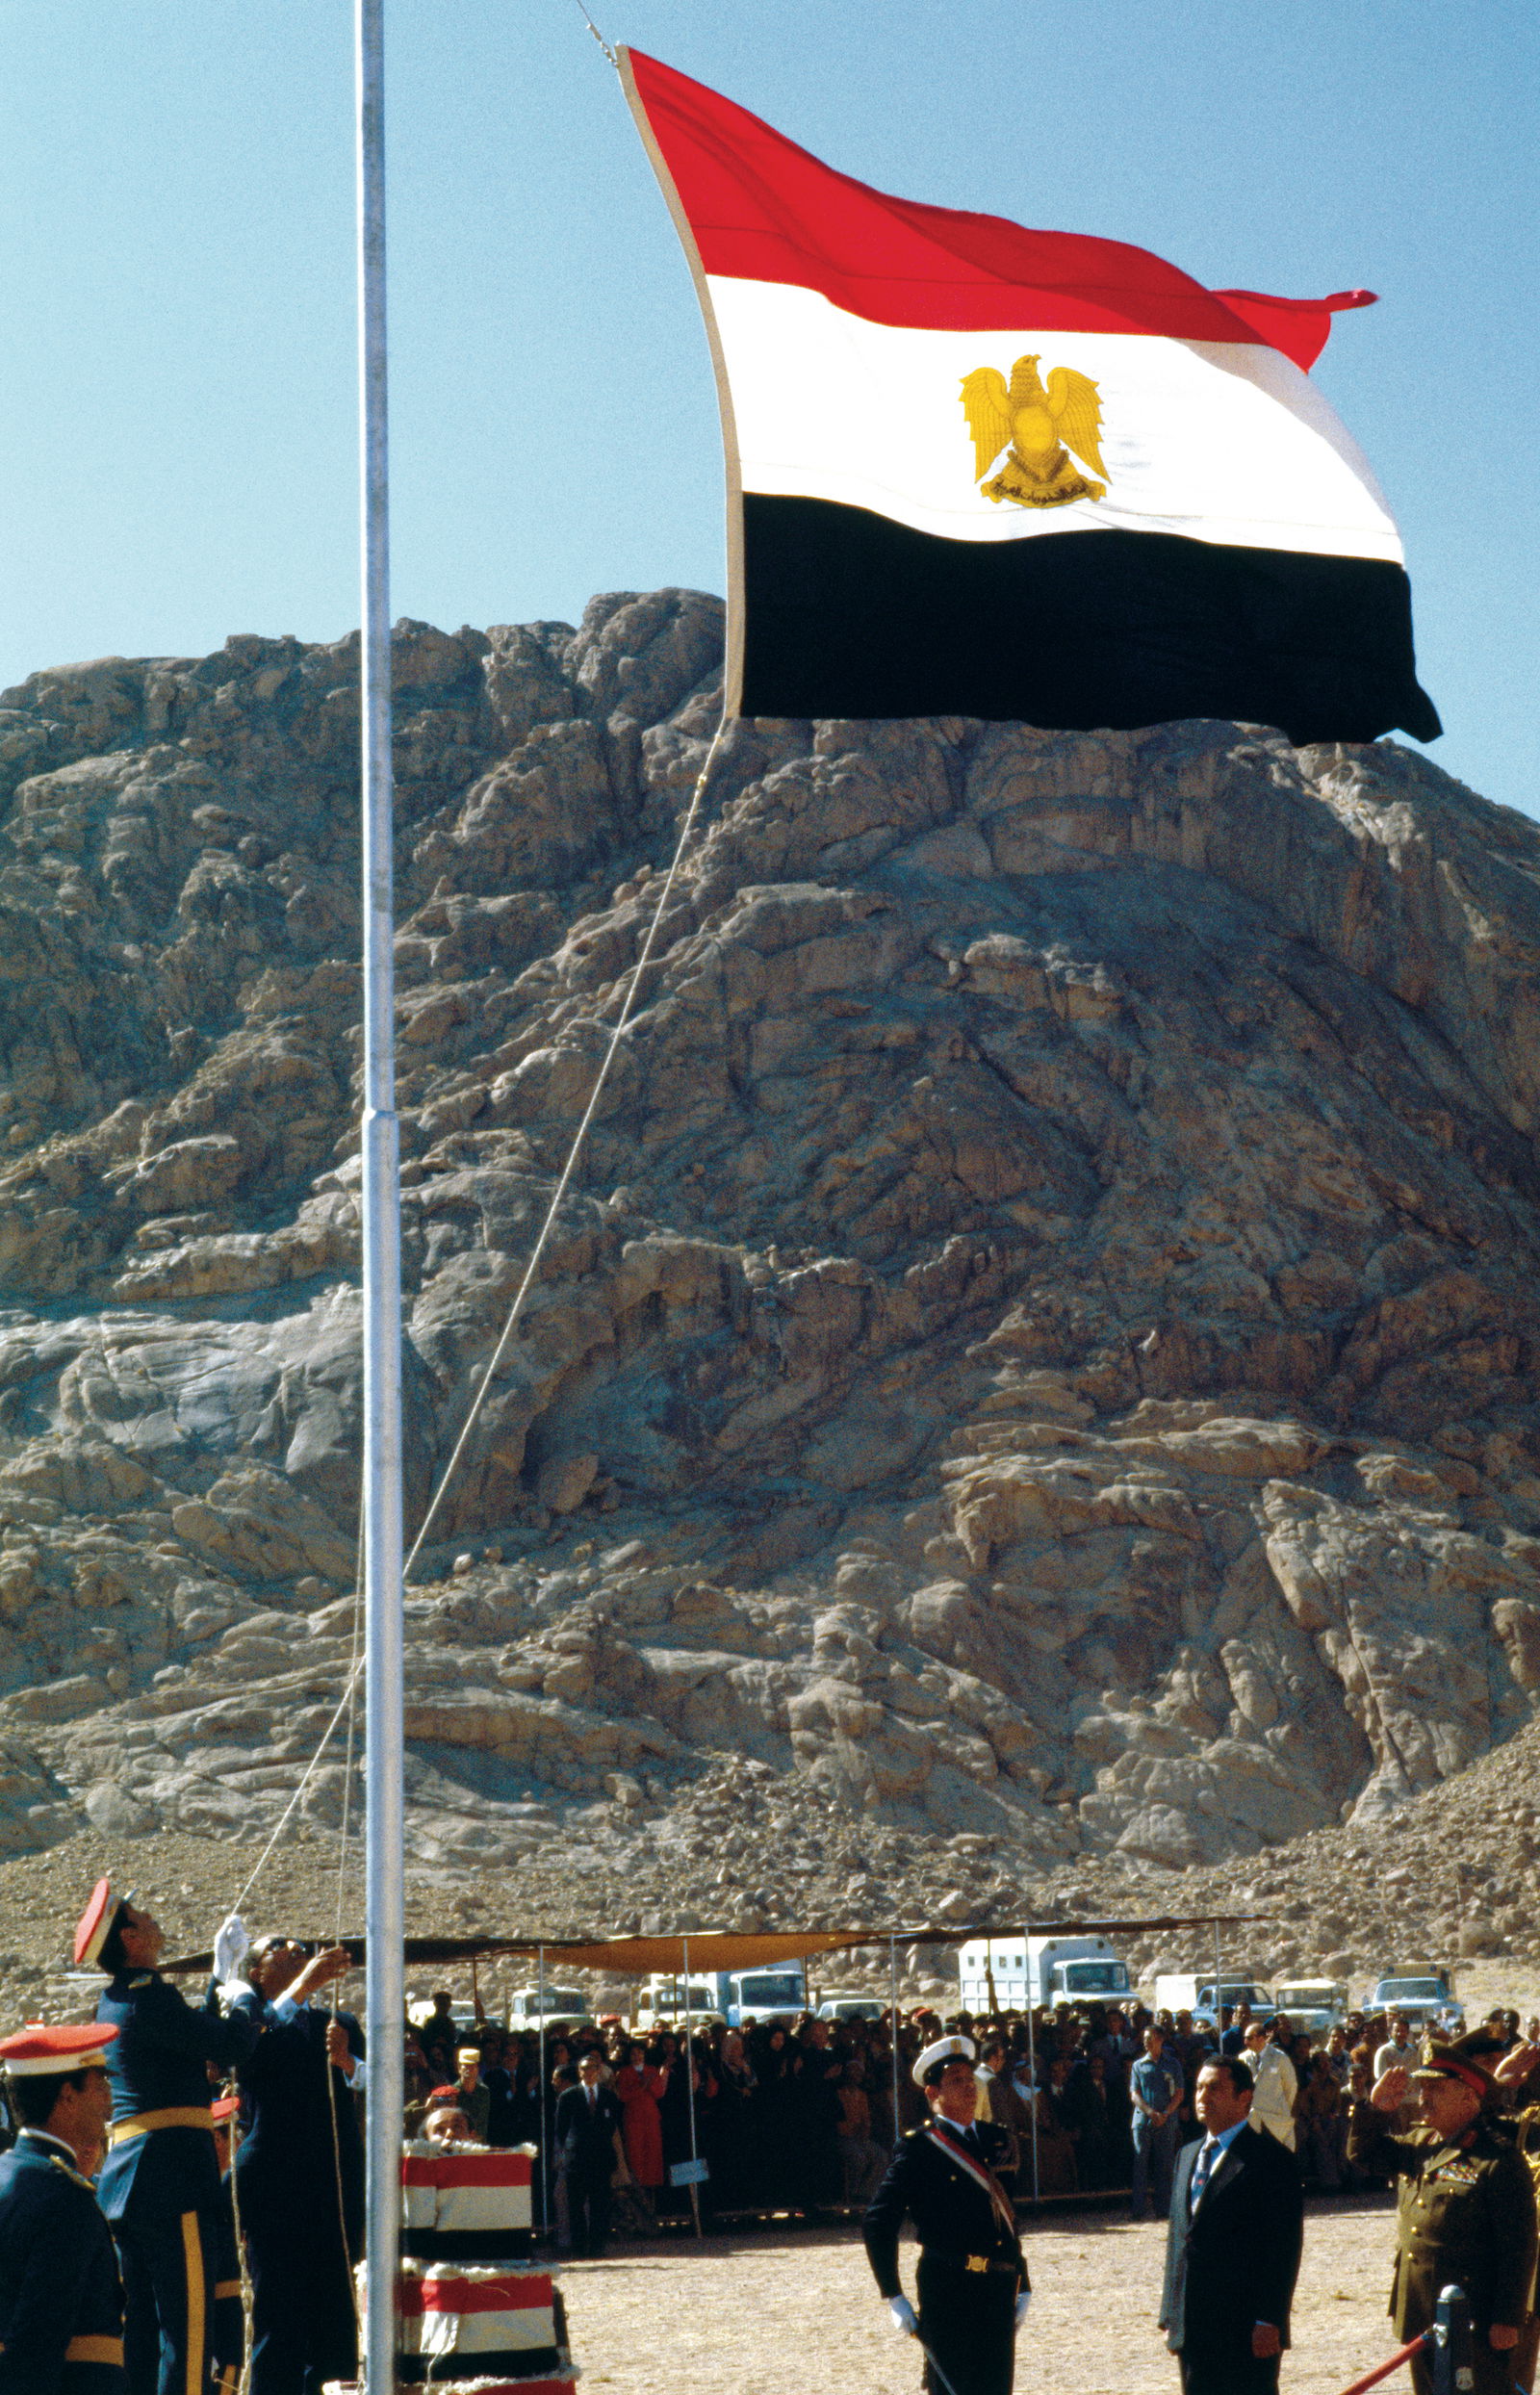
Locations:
(1373, 2377)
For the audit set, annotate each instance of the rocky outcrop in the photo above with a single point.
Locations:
(1039, 1349)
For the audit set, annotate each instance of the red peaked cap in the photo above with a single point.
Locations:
(49, 2049)
(92, 1927)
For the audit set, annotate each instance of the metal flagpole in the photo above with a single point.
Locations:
(1032, 2074)
(892, 2007)
(540, 2133)
(690, 2090)
(383, 1843)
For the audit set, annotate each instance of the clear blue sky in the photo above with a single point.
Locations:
(176, 399)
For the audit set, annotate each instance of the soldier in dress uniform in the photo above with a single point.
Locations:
(972, 2279)
(160, 2184)
(1466, 2213)
(61, 2297)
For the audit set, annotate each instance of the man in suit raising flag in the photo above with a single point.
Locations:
(1233, 2246)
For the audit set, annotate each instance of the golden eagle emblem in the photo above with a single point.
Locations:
(1038, 427)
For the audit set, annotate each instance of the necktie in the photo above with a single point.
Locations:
(1208, 2155)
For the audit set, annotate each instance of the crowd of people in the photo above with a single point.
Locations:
(791, 2115)
(798, 2114)
(183, 2187)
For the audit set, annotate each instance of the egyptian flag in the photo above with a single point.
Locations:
(975, 470)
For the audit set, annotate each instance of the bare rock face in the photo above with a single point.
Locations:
(1039, 1350)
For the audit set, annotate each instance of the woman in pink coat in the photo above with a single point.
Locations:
(639, 2084)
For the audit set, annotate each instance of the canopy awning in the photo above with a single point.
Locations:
(732, 1949)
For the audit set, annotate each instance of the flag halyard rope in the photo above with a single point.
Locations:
(579, 1138)
(598, 36)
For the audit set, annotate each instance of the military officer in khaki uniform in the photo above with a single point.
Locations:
(1466, 2213)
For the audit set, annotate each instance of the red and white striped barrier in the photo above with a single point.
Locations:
(449, 2311)
(468, 2202)
(562, 2384)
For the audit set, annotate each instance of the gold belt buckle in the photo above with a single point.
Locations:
(975, 2261)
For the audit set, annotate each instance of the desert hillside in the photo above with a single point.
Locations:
(1034, 1384)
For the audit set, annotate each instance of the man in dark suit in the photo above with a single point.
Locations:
(587, 2118)
(972, 2280)
(1233, 2246)
(300, 2171)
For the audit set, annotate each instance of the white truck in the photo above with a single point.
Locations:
(1009, 1974)
(768, 1993)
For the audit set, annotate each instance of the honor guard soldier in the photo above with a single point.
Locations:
(1466, 2211)
(972, 2279)
(61, 2297)
(160, 2184)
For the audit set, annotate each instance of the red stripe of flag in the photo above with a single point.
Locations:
(763, 208)
(518, 2387)
(510, 2294)
(465, 2169)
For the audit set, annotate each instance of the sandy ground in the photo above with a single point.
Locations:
(794, 2313)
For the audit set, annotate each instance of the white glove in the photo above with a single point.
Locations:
(901, 2312)
(1022, 2301)
(231, 1946)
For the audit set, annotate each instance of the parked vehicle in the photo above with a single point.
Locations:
(852, 2008)
(665, 1998)
(772, 1992)
(1014, 1973)
(1426, 2000)
(1313, 2005)
(559, 2008)
(1190, 1991)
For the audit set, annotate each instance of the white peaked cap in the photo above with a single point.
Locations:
(944, 2050)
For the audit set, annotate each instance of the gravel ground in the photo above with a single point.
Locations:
(765, 2316)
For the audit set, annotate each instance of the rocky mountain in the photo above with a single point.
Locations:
(1038, 1354)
